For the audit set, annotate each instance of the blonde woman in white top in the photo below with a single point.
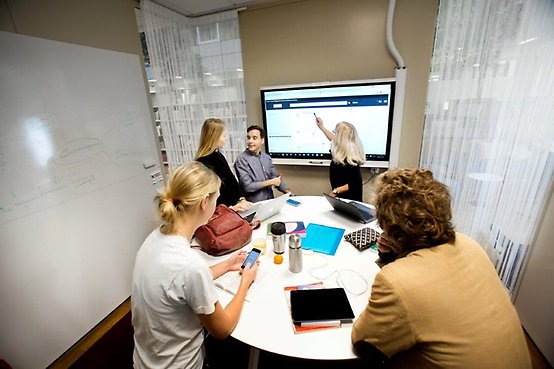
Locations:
(173, 295)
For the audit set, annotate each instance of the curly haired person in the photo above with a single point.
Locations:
(437, 301)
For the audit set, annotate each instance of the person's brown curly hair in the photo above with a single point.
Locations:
(413, 210)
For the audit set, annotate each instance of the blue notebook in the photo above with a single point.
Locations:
(322, 238)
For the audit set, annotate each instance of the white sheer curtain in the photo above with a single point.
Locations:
(489, 123)
(197, 67)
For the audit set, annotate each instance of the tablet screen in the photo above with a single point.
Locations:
(320, 304)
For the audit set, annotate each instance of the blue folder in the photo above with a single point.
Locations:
(322, 238)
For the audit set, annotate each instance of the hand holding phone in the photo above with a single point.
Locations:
(251, 258)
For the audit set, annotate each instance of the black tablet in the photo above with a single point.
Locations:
(319, 305)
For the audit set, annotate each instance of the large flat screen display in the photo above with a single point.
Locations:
(292, 136)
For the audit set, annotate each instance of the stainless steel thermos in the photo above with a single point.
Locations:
(278, 234)
(295, 253)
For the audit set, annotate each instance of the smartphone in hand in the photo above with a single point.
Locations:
(251, 258)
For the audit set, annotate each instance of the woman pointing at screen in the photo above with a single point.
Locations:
(347, 154)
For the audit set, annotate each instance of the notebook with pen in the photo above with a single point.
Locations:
(309, 326)
(320, 305)
(352, 209)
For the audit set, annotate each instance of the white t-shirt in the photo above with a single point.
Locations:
(171, 284)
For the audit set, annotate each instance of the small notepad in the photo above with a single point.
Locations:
(322, 238)
(296, 227)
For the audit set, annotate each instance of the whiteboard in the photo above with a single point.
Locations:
(78, 172)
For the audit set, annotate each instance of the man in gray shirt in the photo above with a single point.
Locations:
(255, 170)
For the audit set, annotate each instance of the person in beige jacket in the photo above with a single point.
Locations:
(438, 302)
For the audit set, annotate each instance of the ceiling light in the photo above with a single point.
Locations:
(528, 40)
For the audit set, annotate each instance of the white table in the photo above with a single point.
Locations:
(265, 322)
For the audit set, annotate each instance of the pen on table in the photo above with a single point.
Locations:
(228, 290)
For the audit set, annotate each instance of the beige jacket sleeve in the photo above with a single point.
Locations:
(385, 322)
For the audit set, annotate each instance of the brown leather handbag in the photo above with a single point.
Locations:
(225, 232)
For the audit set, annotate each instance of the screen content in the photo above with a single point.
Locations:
(289, 118)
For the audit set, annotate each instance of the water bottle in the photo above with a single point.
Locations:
(295, 253)
(279, 237)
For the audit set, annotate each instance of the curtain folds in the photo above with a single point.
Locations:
(197, 67)
(489, 122)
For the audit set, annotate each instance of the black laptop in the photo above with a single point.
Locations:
(352, 209)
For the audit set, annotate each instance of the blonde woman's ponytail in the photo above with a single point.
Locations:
(186, 187)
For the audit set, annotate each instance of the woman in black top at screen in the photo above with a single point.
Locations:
(347, 154)
(212, 138)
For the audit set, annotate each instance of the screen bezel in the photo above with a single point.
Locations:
(372, 160)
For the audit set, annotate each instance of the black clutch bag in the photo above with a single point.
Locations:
(363, 238)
